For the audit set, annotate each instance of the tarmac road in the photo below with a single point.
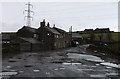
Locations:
(72, 62)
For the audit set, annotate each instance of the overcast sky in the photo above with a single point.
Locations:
(80, 15)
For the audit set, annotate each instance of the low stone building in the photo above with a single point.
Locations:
(102, 30)
(7, 37)
(88, 31)
(27, 44)
(97, 30)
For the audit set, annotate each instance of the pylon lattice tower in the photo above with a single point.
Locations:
(28, 16)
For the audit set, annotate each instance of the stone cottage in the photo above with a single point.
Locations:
(43, 38)
(52, 37)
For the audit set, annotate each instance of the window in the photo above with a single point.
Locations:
(57, 36)
(35, 35)
(48, 34)
(5, 41)
(8, 42)
(55, 44)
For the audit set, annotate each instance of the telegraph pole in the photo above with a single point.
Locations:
(70, 31)
(28, 12)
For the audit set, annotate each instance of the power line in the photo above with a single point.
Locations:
(28, 12)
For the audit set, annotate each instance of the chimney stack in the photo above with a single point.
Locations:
(42, 24)
(48, 25)
(54, 25)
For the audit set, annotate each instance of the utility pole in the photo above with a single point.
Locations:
(70, 31)
(28, 16)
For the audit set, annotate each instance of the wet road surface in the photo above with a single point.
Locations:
(70, 62)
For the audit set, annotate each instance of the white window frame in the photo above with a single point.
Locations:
(35, 35)
(48, 34)
(57, 36)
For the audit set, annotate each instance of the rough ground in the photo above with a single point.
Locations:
(70, 62)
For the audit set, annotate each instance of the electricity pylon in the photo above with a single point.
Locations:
(28, 16)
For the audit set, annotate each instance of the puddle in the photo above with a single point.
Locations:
(92, 66)
(36, 70)
(71, 63)
(90, 58)
(12, 60)
(85, 57)
(84, 65)
(95, 51)
(8, 67)
(108, 67)
(110, 64)
(47, 73)
(103, 53)
(97, 64)
(73, 50)
(112, 74)
(55, 69)
(62, 68)
(99, 75)
(85, 69)
(13, 70)
(8, 73)
(83, 52)
(30, 54)
(21, 71)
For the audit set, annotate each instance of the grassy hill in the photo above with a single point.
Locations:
(114, 36)
(113, 46)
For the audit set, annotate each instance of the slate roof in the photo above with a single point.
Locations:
(76, 35)
(32, 30)
(88, 30)
(53, 30)
(102, 29)
(31, 40)
(60, 30)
